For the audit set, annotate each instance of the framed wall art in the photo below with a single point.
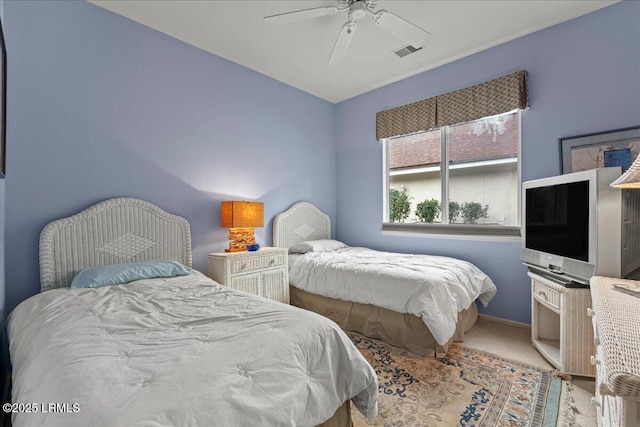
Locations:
(606, 149)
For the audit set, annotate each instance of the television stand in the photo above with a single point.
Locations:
(560, 328)
(559, 278)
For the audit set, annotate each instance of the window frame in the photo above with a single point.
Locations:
(451, 230)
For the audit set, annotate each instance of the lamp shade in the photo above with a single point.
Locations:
(242, 214)
(631, 178)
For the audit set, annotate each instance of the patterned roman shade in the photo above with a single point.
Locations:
(407, 119)
(496, 96)
(485, 99)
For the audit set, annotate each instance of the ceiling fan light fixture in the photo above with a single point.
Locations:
(357, 9)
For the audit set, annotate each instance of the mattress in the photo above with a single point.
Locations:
(434, 288)
(180, 351)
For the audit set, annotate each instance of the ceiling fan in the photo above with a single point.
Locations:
(357, 9)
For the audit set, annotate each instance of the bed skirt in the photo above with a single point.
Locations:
(402, 330)
(340, 418)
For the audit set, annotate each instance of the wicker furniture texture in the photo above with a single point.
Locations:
(616, 323)
(301, 222)
(264, 272)
(560, 328)
(115, 231)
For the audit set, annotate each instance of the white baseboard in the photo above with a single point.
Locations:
(504, 321)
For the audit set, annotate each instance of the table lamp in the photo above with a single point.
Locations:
(631, 178)
(241, 218)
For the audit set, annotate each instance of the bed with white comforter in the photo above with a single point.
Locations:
(434, 288)
(421, 303)
(177, 352)
(164, 350)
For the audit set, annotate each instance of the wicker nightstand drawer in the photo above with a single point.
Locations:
(546, 294)
(259, 262)
(264, 273)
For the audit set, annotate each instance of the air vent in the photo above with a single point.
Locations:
(407, 50)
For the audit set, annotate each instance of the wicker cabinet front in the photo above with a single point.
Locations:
(264, 272)
(560, 328)
(616, 306)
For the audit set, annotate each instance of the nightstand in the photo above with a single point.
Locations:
(264, 272)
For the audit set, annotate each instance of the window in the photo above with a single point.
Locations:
(472, 166)
(451, 161)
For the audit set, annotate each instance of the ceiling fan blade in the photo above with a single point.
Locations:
(404, 30)
(342, 43)
(285, 18)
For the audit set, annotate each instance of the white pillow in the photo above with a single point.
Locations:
(324, 245)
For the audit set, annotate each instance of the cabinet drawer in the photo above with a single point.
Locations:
(546, 294)
(245, 265)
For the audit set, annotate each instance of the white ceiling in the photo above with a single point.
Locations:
(297, 53)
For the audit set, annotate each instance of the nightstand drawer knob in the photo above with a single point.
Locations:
(542, 295)
(594, 361)
(243, 267)
(273, 261)
(590, 312)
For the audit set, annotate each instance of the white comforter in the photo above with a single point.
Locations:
(180, 352)
(434, 288)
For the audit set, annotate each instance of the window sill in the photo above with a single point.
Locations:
(460, 231)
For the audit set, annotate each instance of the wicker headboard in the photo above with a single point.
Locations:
(114, 231)
(302, 221)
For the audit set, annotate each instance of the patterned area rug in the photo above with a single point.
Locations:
(465, 388)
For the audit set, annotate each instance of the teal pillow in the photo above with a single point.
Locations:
(117, 274)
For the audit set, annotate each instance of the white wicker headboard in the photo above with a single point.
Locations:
(114, 231)
(302, 221)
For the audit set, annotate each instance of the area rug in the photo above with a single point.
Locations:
(466, 388)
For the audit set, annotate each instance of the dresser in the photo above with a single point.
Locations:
(264, 272)
(616, 322)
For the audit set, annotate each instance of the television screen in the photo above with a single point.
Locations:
(557, 219)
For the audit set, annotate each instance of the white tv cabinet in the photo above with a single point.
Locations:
(560, 328)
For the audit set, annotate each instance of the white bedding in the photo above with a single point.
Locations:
(434, 288)
(177, 352)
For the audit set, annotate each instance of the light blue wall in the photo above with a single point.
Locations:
(101, 107)
(584, 77)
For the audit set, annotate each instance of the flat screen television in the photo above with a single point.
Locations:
(572, 225)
